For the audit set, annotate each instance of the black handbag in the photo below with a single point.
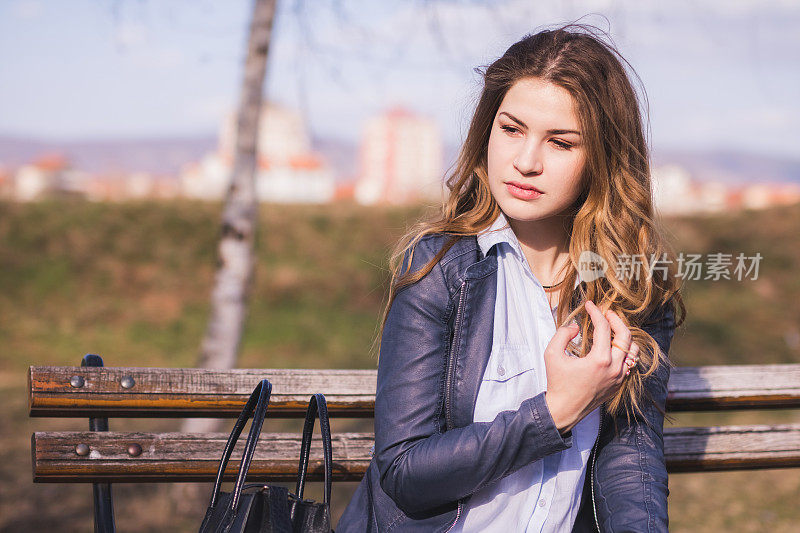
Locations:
(270, 508)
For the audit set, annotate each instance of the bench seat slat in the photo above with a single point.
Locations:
(696, 449)
(187, 457)
(195, 392)
(195, 457)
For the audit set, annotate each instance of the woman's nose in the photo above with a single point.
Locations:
(529, 161)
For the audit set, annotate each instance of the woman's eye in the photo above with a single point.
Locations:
(509, 129)
(561, 144)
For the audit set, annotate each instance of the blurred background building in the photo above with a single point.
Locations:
(675, 192)
(289, 171)
(401, 159)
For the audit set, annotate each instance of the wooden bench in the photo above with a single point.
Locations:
(102, 457)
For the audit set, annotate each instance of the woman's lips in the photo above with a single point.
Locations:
(522, 194)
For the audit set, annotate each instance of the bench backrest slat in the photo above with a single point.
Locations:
(182, 392)
(193, 392)
(734, 387)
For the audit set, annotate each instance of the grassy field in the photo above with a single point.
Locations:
(131, 282)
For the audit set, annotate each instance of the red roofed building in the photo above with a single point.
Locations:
(49, 175)
(400, 159)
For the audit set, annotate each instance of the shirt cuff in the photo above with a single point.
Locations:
(547, 425)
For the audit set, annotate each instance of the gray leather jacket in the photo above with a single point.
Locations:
(430, 456)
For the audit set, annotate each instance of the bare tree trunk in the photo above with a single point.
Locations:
(220, 345)
(232, 282)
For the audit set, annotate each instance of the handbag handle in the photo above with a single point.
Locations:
(317, 406)
(257, 405)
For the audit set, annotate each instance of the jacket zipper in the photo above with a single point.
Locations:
(594, 461)
(451, 361)
(449, 384)
(458, 514)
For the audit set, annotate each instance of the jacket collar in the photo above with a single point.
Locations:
(473, 335)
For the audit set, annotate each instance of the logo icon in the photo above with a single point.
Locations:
(591, 266)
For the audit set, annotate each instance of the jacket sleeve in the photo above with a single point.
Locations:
(631, 474)
(421, 465)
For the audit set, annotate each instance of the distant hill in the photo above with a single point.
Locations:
(160, 156)
(731, 166)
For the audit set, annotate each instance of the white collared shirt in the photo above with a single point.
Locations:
(543, 496)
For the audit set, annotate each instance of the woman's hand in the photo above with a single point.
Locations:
(576, 386)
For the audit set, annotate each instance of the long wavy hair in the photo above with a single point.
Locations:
(613, 216)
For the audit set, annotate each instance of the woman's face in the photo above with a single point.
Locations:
(535, 145)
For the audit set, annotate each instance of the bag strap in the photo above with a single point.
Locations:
(257, 406)
(317, 406)
(249, 451)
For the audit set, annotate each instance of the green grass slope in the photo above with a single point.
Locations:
(131, 282)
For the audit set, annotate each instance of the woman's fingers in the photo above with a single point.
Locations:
(633, 354)
(563, 335)
(602, 329)
(610, 331)
(622, 337)
(621, 346)
(632, 358)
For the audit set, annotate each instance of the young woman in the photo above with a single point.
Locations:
(488, 415)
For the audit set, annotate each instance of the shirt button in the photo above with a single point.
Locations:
(501, 370)
(541, 502)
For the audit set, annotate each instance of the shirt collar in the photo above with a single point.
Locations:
(500, 231)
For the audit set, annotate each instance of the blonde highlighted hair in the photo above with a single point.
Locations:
(613, 216)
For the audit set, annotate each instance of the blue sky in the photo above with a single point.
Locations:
(718, 74)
